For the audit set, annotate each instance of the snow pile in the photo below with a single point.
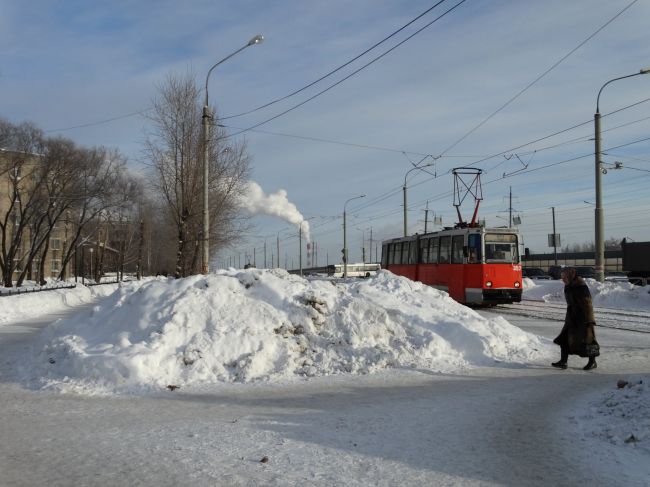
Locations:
(621, 416)
(34, 304)
(608, 294)
(246, 326)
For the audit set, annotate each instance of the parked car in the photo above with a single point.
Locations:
(585, 271)
(616, 276)
(535, 273)
(555, 271)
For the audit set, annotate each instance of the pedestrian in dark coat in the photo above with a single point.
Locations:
(578, 336)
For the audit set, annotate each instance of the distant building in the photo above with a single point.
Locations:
(18, 173)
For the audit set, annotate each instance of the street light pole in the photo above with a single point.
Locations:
(300, 246)
(206, 122)
(417, 166)
(598, 212)
(345, 241)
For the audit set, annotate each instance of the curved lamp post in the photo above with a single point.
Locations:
(404, 191)
(345, 241)
(300, 231)
(207, 118)
(278, 246)
(599, 217)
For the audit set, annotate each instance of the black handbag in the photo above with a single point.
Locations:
(592, 349)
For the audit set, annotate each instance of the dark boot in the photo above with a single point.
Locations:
(564, 357)
(591, 364)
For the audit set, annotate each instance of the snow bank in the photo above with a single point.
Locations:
(609, 294)
(620, 417)
(23, 307)
(267, 325)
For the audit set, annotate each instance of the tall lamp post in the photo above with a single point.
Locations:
(206, 120)
(417, 166)
(599, 217)
(345, 241)
(277, 241)
(300, 230)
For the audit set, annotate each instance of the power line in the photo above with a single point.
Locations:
(351, 74)
(329, 141)
(336, 69)
(101, 122)
(536, 79)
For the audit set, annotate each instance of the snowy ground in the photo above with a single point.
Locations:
(374, 382)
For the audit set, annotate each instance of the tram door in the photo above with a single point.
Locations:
(457, 274)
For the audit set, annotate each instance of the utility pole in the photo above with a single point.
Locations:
(426, 217)
(554, 236)
(300, 246)
(140, 248)
(510, 210)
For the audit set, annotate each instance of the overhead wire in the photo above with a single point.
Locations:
(396, 190)
(300, 90)
(350, 75)
(532, 83)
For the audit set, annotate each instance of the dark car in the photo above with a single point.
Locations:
(586, 272)
(555, 271)
(534, 273)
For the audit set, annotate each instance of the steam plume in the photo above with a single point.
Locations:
(276, 204)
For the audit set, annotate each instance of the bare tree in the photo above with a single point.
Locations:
(173, 150)
(22, 203)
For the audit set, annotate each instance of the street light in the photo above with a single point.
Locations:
(345, 241)
(417, 166)
(599, 217)
(300, 241)
(91, 263)
(278, 247)
(207, 117)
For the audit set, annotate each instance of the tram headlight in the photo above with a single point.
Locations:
(517, 284)
(488, 284)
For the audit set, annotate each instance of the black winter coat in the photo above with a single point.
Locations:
(578, 334)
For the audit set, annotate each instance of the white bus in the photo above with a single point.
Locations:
(354, 270)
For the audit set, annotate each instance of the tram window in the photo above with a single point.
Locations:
(457, 249)
(433, 251)
(501, 248)
(405, 252)
(445, 250)
(424, 251)
(474, 247)
(413, 252)
(395, 253)
(384, 256)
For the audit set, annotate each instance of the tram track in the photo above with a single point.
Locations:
(635, 321)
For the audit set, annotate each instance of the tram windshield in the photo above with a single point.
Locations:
(501, 247)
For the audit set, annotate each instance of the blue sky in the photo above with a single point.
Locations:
(74, 63)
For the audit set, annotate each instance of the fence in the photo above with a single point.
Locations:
(613, 260)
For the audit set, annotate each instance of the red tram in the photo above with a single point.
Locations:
(475, 265)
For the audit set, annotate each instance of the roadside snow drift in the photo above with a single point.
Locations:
(608, 294)
(260, 325)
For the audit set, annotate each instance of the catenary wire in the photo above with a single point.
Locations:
(273, 102)
(350, 75)
(527, 87)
